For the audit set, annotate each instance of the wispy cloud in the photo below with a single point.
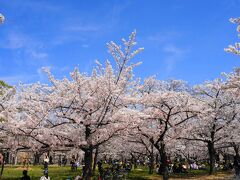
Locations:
(14, 41)
(39, 6)
(65, 38)
(38, 55)
(173, 50)
(114, 16)
(85, 45)
(161, 38)
(164, 44)
(75, 32)
(77, 29)
(82, 28)
(33, 48)
(173, 55)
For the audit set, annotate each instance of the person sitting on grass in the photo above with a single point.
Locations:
(184, 168)
(73, 163)
(78, 178)
(25, 176)
(45, 176)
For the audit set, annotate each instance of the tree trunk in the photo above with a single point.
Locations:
(87, 170)
(2, 168)
(36, 159)
(163, 166)
(225, 158)
(88, 152)
(212, 157)
(95, 160)
(151, 161)
(157, 159)
(236, 149)
(236, 160)
(134, 161)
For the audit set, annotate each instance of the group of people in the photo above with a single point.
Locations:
(45, 171)
(182, 166)
(115, 169)
(119, 169)
(62, 161)
(46, 162)
(27, 177)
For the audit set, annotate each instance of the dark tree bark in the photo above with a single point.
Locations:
(95, 160)
(2, 167)
(134, 161)
(151, 161)
(157, 158)
(87, 170)
(163, 160)
(236, 160)
(212, 157)
(36, 159)
(88, 153)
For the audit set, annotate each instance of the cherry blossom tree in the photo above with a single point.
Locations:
(89, 109)
(192, 151)
(232, 88)
(26, 115)
(6, 93)
(168, 106)
(216, 113)
(235, 49)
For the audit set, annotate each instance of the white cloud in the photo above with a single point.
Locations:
(38, 55)
(66, 38)
(171, 49)
(85, 45)
(22, 42)
(36, 6)
(13, 41)
(82, 28)
(173, 55)
(165, 44)
(160, 38)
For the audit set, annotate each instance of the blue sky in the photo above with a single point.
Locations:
(183, 39)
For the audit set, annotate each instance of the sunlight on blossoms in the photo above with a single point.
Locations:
(2, 18)
(235, 49)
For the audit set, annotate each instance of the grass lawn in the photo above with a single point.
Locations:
(35, 172)
(141, 173)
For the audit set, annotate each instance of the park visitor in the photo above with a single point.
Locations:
(45, 176)
(25, 176)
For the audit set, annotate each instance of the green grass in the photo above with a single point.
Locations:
(141, 173)
(62, 173)
(35, 172)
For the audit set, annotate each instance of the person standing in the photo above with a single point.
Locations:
(45, 176)
(73, 163)
(46, 161)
